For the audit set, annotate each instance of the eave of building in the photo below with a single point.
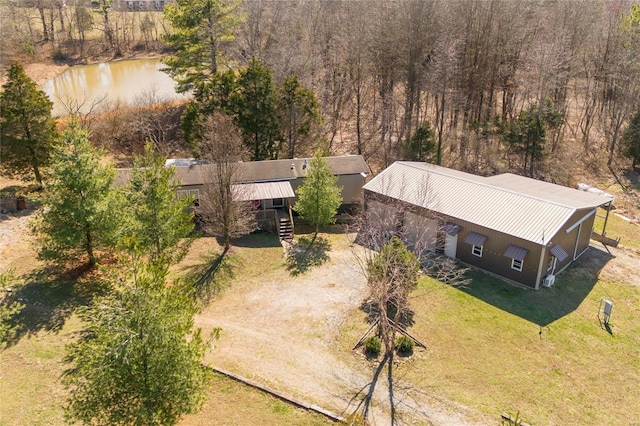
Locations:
(473, 199)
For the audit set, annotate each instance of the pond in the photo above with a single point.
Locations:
(130, 81)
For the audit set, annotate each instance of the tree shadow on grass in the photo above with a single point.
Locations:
(362, 414)
(546, 305)
(302, 256)
(211, 275)
(51, 297)
(258, 239)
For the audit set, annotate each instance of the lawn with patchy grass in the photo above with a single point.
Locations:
(31, 392)
(499, 348)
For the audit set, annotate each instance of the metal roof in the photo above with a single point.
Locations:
(516, 252)
(559, 253)
(261, 171)
(477, 200)
(263, 190)
(256, 171)
(548, 191)
(451, 229)
(475, 239)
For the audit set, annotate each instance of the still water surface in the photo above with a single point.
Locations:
(129, 81)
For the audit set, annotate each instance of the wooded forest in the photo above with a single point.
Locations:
(542, 88)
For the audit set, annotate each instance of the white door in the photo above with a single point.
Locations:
(450, 245)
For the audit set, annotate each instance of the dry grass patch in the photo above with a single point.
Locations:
(495, 347)
(233, 403)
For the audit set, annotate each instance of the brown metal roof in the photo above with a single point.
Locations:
(516, 252)
(263, 190)
(262, 171)
(475, 199)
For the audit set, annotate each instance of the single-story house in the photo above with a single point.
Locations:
(269, 184)
(521, 229)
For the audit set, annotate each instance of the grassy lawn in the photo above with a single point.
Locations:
(31, 368)
(491, 346)
(499, 348)
(233, 403)
(617, 227)
(31, 393)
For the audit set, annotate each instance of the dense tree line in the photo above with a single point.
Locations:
(385, 72)
(468, 68)
(459, 79)
(76, 28)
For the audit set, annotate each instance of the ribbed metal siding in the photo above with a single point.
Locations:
(569, 197)
(493, 259)
(263, 191)
(470, 200)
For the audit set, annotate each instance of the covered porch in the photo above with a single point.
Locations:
(271, 203)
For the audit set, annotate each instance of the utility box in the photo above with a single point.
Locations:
(21, 203)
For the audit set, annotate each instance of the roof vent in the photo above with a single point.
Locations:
(293, 166)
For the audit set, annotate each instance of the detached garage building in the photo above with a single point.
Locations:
(519, 228)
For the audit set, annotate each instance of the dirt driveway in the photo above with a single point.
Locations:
(282, 331)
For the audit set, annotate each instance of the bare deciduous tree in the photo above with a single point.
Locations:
(223, 208)
(395, 243)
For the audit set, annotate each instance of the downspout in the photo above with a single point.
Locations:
(540, 266)
(575, 249)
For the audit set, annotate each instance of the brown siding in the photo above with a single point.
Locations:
(493, 259)
(568, 240)
(585, 234)
(351, 188)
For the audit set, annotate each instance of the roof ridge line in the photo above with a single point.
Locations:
(405, 163)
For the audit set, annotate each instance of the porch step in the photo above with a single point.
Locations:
(285, 230)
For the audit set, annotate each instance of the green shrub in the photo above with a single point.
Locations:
(372, 346)
(404, 345)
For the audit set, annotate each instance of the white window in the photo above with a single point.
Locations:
(516, 264)
(195, 193)
(477, 250)
(277, 202)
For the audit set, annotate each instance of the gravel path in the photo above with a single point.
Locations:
(15, 241)
(281, 331)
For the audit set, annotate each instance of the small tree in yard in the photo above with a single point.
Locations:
(391, 275)
(80, 213)
(630, 141)
(222, 209)
(140, 359)
(318, 197)
(27, 131)
(160, 222)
